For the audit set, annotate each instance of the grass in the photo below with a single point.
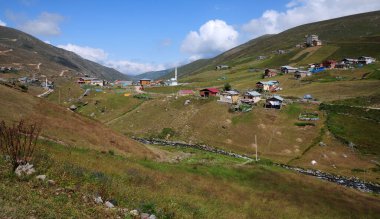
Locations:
(351, 129)
(203, 185)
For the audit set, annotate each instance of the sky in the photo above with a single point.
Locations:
(138, 36)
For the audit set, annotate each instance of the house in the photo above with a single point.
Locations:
(274, 102)
(269, 73)
(222, 67)
(316, 69)
(185, 92)
(145, 81)
(313, 40)
(271, 86)
(288, 69)
(207, 92)
(307, 97)
(261, 57)
(251, 97)
(97, 82)
(301, 74)
(280, 51)
(366, 60)
(230, 96)
(87, 80)
(329, 64)
(349, 61)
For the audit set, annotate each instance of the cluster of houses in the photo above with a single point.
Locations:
(91, 81)
(8, 69)
(251, 97)
(319, 67)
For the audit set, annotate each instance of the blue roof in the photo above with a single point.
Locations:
(253, 93)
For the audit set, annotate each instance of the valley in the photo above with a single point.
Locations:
(164, 151)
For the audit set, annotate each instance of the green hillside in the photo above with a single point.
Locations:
(344, 37)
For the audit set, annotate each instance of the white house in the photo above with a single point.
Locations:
(366, 60)
(229, 97)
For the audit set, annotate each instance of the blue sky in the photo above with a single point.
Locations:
(138, 36)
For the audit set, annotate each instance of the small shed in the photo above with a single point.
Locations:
(229, 97)
(301, 74)
(274, 102)
(269, 73)
(307, 97)
(207, 92)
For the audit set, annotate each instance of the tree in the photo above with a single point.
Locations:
(19, 141)
(227, 86)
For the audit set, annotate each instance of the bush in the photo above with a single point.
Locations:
(19, 141)
(304, 124)
(227, 86)
(166, 132)
(142, 96)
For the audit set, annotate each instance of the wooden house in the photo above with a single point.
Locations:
(329, 64)
(301, 74)
(145, 81)
(229, 97)
(251, 97)
(207, 92)
(274, 102)
(270, 86)
(268, 73)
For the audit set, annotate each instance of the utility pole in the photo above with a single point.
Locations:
(256, 147)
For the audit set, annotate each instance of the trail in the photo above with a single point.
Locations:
(5, 51)
(125, 113)
(63, 72)
(47, 92)
(350, 182)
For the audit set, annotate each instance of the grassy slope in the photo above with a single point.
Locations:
(202, 185)
(63, 125)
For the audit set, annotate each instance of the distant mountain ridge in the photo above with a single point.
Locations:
(21, 49)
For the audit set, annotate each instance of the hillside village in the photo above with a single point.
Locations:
(274, 123)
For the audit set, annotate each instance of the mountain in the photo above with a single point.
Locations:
(345, 36)
(18, 49)
(153, 75)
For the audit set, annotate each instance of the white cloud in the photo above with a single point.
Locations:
(46, 24)
(101, 57)
(47, 42)
(133, 68)
(2, 23)
(305, 11)
(93, 54)
(213, 37)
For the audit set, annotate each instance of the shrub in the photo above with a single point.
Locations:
(142, 96)
(304, 124)
(227, 86)
(19, 141)
(166, 132)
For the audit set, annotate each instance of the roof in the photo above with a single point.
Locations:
(186, 91)
(277, 97)
(307, 96)
(232, 92)
(145, 79)
(253, 93)
(268, 82)
(213, 90)
(288, 67)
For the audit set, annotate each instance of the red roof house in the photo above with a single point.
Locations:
(208, 92)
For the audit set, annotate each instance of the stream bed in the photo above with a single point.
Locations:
(351, 182)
